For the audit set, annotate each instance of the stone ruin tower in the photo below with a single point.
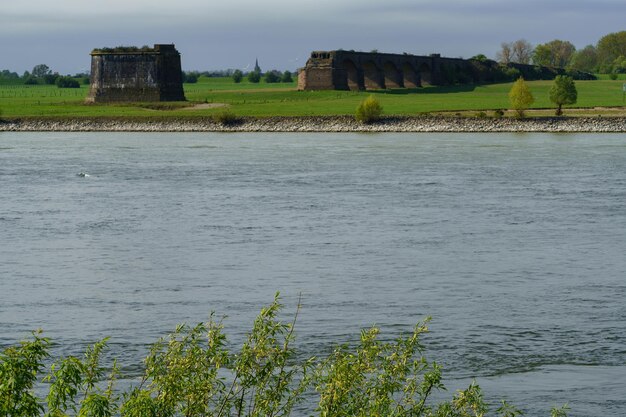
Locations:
(136, 74)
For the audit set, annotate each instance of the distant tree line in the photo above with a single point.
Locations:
(42, 74)
(254, 76)
(608, 56)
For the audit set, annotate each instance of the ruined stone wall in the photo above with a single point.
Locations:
(141, 75)
(349, 70)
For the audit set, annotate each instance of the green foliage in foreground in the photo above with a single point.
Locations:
(193, 373)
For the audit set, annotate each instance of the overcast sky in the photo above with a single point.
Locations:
(220, 34)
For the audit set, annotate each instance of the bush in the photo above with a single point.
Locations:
(193, 372)
(499, 113)
(190, 77)
(254, 77)
(512, 73)
(50, 79)
(613, 76)
(225, 117)
(67, 82)
(30, 80)
(369, 110)
(237, 76)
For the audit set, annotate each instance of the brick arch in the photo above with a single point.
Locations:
(425, 75)
(393, 75)
(374, 78)
(352, 75)
(410, 77)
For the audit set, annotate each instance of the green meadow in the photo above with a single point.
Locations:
(211, 95)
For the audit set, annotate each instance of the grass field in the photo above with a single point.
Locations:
(246, 99)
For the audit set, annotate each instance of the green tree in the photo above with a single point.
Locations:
(585, 59)
(237, 76)
(67, 82)
(41, 70)
(254, 77)
(610, 47)
(273, 76)
(563, 91)
(286, 78)
(556, 53)
(520, 97)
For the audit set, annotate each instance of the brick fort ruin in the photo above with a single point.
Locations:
(136, 74)
(350, 70)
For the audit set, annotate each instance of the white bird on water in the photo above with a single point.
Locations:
(83, 174)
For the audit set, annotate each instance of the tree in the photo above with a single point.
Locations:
(520, 97)
(610, 47)
(50, 78)
(563, 91)
(67, 82)
(479, 58)
(41, 70)
(237, 76)
(254, 77)
(521, 51)
(504, 55)
(556, 53)
(286, 78)
(273, 76)
(190, 77)
(585, 59)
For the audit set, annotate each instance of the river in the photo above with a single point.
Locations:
(513, 243)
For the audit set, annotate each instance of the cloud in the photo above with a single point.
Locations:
(281, 32)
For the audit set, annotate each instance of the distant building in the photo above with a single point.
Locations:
(256, 66)
(136, 74)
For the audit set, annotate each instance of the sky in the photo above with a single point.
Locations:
(222, 34)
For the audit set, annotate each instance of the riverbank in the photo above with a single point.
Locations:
(323, 124)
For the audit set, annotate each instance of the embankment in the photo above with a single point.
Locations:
(323, 124)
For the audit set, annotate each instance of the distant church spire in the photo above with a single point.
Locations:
(256, 66)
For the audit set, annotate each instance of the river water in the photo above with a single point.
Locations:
(513, 243)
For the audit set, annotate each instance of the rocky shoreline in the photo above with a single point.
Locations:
(324, 124)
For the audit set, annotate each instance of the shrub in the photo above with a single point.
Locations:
(225, 117)
(192, 372)
(50, 79)
(613, 76)
(481, 115)
(67, 82)
(237, 76)
(512, 73)
(190, 77)
(369, 110)
(499, 113)
(254, 77)
(30, 80)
